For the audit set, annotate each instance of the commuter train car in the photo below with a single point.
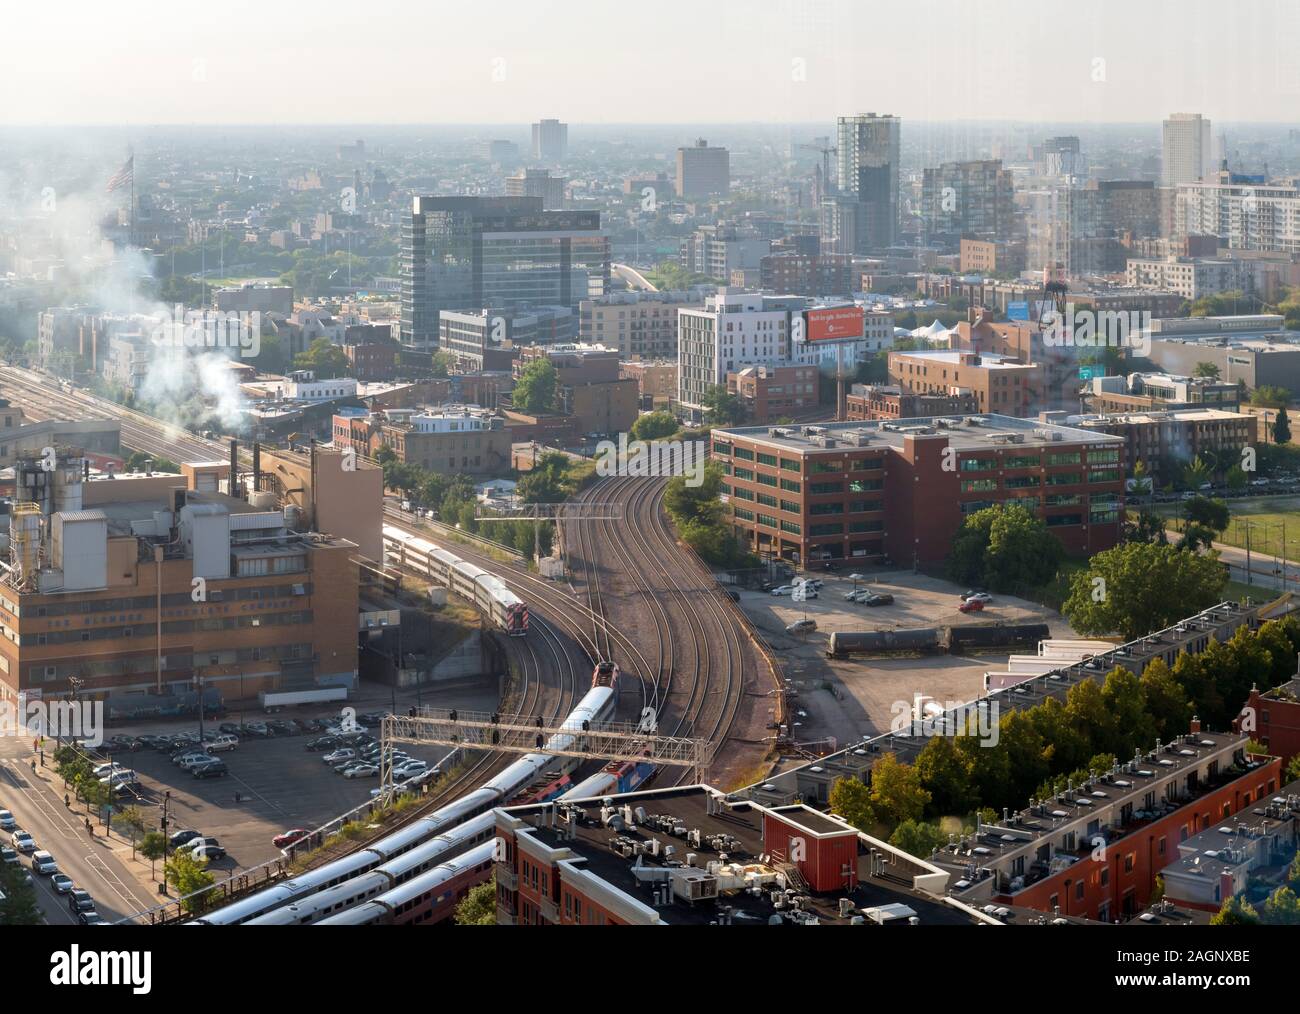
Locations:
(544, 789)
(425, 900)
(614, 778)
(442, 567)
(596, 706)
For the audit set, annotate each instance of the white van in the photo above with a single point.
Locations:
(226, 742)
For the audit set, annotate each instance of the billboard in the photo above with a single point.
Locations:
(837, 324)
(1018, 310)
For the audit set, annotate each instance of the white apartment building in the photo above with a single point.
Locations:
(731, 331)
(1245, 216)
(1187, 151)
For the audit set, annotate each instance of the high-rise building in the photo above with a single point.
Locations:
(1187, 153)
(869, 152)
(538, 183)
(1061, 157)
(550, 141)
(465, 253)
(967, 199)
(1242, 213)
(703, 171)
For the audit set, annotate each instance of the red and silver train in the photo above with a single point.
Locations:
(444, 568)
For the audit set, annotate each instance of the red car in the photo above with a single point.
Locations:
(282, 841)
(971, 606)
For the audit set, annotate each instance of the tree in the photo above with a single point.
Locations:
(479, 906)
(1209, 513)
(896, 791)
(945, 775)
(1235, 912)
(851, 799)
(1137, 588)
(19, 907)
(1293, 769)
(655, 426)
(1197, 473)
(547, 481)
(137, 461)
(1164, 700)
(1004, 547)
(153, 846)
(1270, 396)
(917, 838)
(1210, 371)
(187, 875)
(536, 388)
(1147, 527)
(324, 359)
(1282, 427)
(1281, 909)
(722, 408)
(132, 818)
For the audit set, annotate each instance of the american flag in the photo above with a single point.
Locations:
(123, 176)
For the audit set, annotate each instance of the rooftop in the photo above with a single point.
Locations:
(982, 432)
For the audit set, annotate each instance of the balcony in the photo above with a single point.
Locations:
(507, 877)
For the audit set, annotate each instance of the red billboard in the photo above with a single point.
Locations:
(836, 324)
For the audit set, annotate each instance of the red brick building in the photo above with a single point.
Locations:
(1273, 719)
(843, 491)
(866, 402)
(774, 392)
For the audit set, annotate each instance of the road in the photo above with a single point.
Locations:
(633, 277)
(99, 865)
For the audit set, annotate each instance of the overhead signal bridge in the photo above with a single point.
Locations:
(573, 510)
(478, 730)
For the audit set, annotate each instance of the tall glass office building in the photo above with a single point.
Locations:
(466, 253)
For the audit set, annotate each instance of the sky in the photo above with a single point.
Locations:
(669, 61)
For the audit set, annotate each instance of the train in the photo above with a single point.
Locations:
(504, 608)
(614, 778)
(925, 640)
(444, 833)
(425, 900)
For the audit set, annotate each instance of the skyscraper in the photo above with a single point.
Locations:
(1187, 149)
(703, 171)
(465, 253)
(550, 141)
(869, 150)
(968, 199)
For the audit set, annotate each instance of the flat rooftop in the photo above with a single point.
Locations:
(738, 828)
(982, 432)
(987, 360)
(1171, 415)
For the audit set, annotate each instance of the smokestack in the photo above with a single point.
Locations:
(233, 485)
(257, 466)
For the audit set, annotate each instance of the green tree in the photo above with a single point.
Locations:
(479, 906)
(1235, 912)
(1282, 427)
(1207, 512)
(896, 791)
(1164, 700)
(721, 407)
(1135, 589)
(1004, 547)
(132, 818)
(1281, 909)
(1293, 769)
(137, 460)
(1270, 396)
(917, 838)
(153, 846)
(19, 907)
(324, 359)
(655, 426)
(851, 799)
(1147, 527)
(536, 388)
(547, 481)
(944, 773)
(1210, 371)
(187, 875)
(1197, 473)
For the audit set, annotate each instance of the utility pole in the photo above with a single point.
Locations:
(158, 560)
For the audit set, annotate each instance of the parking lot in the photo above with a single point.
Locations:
(850, 699)
(281, 785)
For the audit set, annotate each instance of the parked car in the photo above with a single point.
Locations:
(283, 841)
(977, 593)
(92, 918)
(229, 729)
(7, 822)
(326, 743)
(198, 842)
(79, 900)
(61, 882)
(43, 863)
(23, 842)
(372, 718)
(210, 769)
(340, 755)
(361, 771)
(191, 759)
(179, 838)
(258, 729)
(312, 724)
(801, 627)
(8, 855)
(784, 589)
(208, 852)
(282, 728)
(878, 599)
(222, 743)
(971, 606)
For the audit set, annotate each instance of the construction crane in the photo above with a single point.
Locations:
(826, 154)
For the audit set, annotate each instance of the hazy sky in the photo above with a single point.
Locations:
(664, 61)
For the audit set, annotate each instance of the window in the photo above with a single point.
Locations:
(743, 453)
(791, 466)
(823, 509)
(789, 506)
(866, 485)
(720, 448)
(790, 527)
(978, 485)
(1065, 478)
(768, 520)
(767, 459)
(1063, 520)
(823, 468)
(743, 515)
(744, 473)
(822, 488)
(790, 486)
(818, 530)
(1022, 461)
(1105, 475)
(1103, 457)
(1064, 500)
(1073, 458)
(767, 500)
(767, 480)
(1021, 481)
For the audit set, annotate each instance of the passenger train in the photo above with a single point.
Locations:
(506, 609)
(427, 899)
(443, 834)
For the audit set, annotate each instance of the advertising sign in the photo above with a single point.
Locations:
(838, 324)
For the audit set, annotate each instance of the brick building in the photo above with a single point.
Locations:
(774, 392)
(866, 402)
(843, 491)
(994, 382)
(1166, 442)
(590, 386)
